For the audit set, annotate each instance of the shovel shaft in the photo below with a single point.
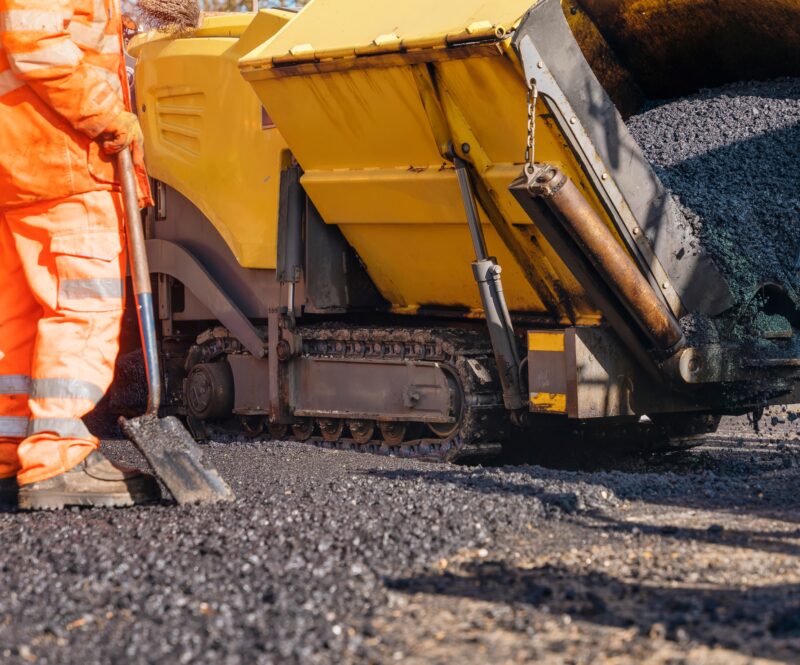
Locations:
(140, 277)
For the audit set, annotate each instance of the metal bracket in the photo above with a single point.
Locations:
(604, 185)
(171, 259)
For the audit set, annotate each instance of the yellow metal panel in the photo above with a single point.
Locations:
(477, 85)
(226, 24)
(223, 25)
(544, 341)
(204, 136)
(337, 28)
(430, 264)
(369, 132)
(387, 196)
(353, 120)
(234, 24)
(371, 159)
(549, 402)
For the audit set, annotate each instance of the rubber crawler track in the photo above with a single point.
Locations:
(484, 422)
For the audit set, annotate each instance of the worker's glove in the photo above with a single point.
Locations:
(122, 131)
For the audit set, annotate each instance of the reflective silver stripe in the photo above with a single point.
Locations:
(15, 384)
(112, 78)
(94, 37)
(110, 44)
(66, 427)
(66, 389)
(60, 54)
(16, 426)
(16, 20)
(100, 11)
(81, 289)
(9, 82)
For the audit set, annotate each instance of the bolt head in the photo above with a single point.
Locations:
(283, 350)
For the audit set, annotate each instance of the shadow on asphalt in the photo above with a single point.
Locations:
(726, 478)
(762, 621)
(764, 541)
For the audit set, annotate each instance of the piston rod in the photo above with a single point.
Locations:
(487, 276)
(614, 265)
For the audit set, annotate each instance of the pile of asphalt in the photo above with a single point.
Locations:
(730, 157)
(320, 555)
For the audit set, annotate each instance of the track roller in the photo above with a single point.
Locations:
(331, 428)
(362, 431)
(277, 431)
(252, 425)
(303, 429)
(394, 433)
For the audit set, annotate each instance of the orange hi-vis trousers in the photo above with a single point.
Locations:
(62, 271)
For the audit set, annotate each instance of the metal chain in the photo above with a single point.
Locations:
(533, 95)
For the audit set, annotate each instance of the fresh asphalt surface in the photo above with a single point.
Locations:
(330, 556)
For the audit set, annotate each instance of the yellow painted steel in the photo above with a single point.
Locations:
(369, 95)
(369, 126)
(341, 28)
(549, 402)
(203, 128)
(546, 341)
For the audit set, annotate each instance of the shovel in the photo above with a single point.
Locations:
(175, 457)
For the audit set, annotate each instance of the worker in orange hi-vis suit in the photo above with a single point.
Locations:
(63, 115)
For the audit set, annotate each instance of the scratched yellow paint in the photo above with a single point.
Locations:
(546, 341)
(550, 402)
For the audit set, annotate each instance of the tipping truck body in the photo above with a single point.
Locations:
(424, 228)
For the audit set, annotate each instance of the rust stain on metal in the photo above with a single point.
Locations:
(609, 258)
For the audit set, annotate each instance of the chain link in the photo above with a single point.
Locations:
(533, 95)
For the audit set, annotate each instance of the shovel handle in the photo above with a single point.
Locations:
(140, 277)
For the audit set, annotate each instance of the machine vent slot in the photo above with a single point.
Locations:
(180, 119)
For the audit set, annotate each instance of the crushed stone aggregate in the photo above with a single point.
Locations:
(730, 157)
(330, 557)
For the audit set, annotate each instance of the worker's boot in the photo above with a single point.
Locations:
(93, 482)
(8, 492)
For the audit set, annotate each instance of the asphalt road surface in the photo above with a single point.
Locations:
(331, 557)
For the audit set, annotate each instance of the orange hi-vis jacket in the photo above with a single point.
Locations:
(62, 263)
(62, 76)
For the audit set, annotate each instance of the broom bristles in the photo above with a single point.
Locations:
(174, 16)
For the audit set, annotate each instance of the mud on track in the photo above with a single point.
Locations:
(331, 557)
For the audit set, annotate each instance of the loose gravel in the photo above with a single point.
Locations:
(730, 156)
(330, 557)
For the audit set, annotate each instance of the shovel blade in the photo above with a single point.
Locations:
(176, 459)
